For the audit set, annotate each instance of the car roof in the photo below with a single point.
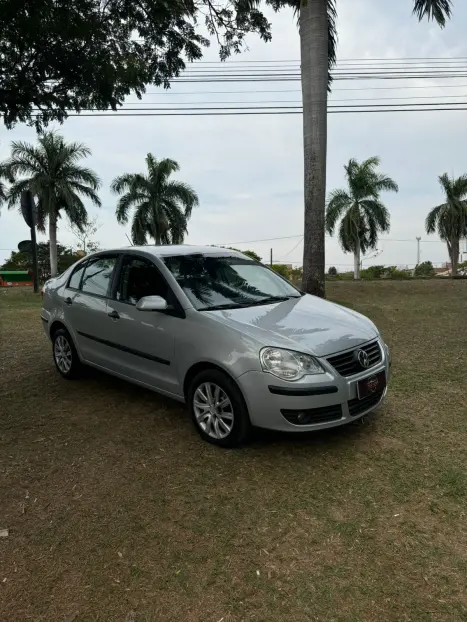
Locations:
(171, 250)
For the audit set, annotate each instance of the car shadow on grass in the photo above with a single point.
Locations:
(262, 439)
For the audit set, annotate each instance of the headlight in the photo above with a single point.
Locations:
(288, 365)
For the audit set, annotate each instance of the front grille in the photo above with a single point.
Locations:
(346, 364)
(313, 415)
(357, 407)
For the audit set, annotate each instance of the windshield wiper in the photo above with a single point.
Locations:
(252, 303)
(268, 299)
(229, 305)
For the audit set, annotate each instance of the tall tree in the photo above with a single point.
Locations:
(84, 235)
(318, 41)
(449, 219)
(361, 213)
(57, 56)
(52, 173)
(162, 207)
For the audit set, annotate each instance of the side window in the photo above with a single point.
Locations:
(97, 275)
(138, 278)
(75, 279)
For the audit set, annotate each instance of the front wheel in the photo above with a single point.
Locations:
(65, 355)
(218, 409)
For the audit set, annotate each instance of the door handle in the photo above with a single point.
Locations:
(68, 301)
(114, 315)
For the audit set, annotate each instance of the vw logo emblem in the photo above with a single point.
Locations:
(363, 359)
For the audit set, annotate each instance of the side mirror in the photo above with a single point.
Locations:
(151, 303)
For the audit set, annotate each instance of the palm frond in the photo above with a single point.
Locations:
(434, 218)
(81, 175)
(128, 181)
(376, 215)
(382, 182)
(446, 184)
(125, 203)
(139, 227)
(165, 168)
(348, 233)
(183, 194)
(339, 201)
(459, 187)
(438, 10)
(370, 164)
(13, 196)
(85, 191)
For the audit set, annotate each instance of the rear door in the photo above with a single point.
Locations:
(143, 342)
(85, 306)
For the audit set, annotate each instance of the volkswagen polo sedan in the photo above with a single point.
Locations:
(240, 345)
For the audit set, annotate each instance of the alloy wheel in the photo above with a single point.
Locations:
(63, 354)
(213, 410)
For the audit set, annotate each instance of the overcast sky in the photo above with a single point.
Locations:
(248, 170)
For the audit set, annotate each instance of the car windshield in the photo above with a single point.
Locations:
(221, 282)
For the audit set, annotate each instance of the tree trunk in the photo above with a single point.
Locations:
(357, 262)
(314, 68)
(454, 256)
(53, 243)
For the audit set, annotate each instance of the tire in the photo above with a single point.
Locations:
(214, 427)
(65, 356)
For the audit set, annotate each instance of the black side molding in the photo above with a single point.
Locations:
(303, 391)
(44, 320)
(117, 346)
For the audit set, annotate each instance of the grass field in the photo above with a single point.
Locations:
(118, 512)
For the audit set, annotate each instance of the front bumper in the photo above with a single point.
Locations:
(329, 399)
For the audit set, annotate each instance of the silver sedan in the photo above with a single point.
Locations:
(223, 333)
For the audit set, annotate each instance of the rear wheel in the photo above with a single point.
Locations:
(65, 355)
(218, 409)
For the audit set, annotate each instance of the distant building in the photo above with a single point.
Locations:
(463, 250)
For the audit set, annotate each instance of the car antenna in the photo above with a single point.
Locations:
(131, 243)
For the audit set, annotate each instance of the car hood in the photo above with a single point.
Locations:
(307, 324)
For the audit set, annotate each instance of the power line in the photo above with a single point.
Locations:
(359, 88)
(297, 78)
(346, 60)
(299, 107)
(285, 101)
(330, 237)
(251, 111)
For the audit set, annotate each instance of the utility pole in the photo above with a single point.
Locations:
(418, 250)
(270, 260)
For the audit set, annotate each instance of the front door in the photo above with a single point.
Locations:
(144, 341)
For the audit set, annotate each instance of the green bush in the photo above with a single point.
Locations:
(250, 254)
(376, 272)
(281, 269)
(424, 269)
(332, 271)
(392, 272)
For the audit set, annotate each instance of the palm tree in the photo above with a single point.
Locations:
(449, 219)
(162, 207)
(363, 215)
(52, 173)
(318, 41)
